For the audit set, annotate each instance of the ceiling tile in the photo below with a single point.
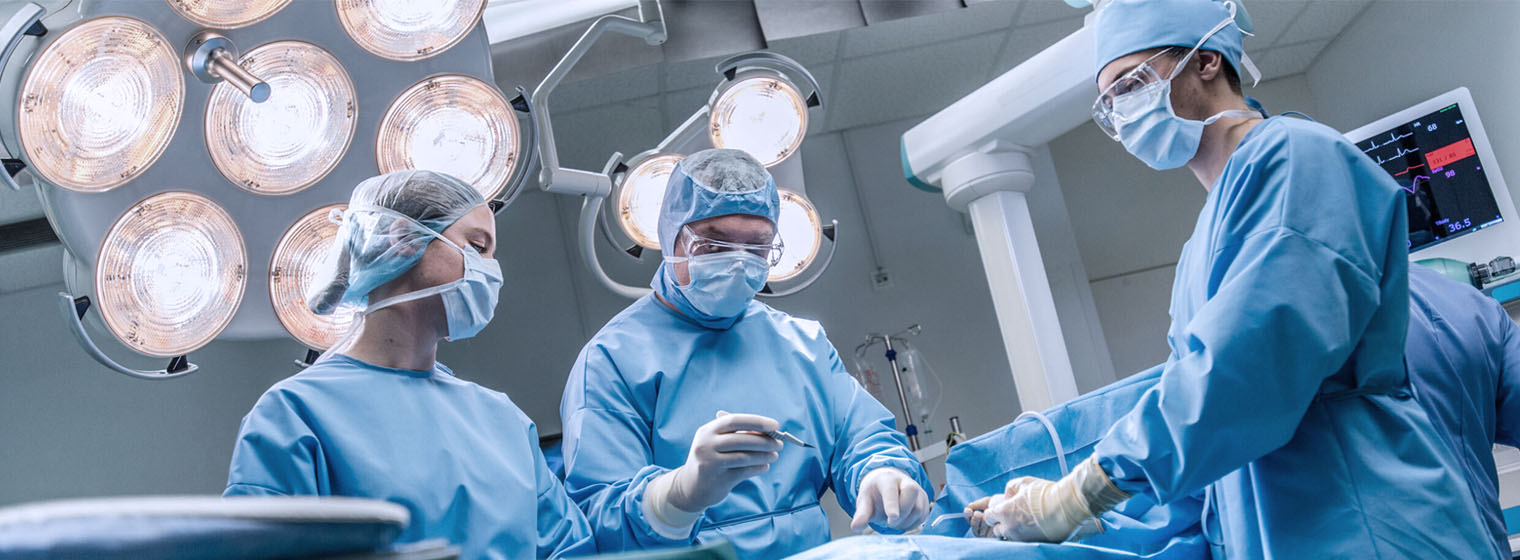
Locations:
(878, 11)
(1289, 60)
(1041, 11)
(809, 50)
(1025, 42)
(912, 32)
(912, 82)
(691, 73)
(610, 88)
(681, 104)
(1322, 20)
(1271, 19)
(781, 19)
(587, 138)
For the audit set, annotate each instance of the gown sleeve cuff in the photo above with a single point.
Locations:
(667, 520)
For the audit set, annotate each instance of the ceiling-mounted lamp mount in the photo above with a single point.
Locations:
(212, 58)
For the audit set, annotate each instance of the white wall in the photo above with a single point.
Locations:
(1364, 76)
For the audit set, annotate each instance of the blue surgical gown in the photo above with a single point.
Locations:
(1285, 393)
(1464, 361)
(462, 459)
(644, 384)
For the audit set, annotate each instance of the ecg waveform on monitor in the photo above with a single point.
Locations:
(1401, 153)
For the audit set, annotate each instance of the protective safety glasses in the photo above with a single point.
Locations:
(696, 246)
(1132, 93)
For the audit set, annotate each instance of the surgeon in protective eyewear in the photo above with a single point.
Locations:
(1285, 395)
(378, 417)
(674, 412)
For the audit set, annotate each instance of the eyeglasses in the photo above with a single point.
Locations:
(1119, 103)
(696, 246)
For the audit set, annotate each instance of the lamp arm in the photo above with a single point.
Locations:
(73, 311)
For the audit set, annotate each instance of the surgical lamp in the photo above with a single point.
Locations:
(757, 107)
(193, 187)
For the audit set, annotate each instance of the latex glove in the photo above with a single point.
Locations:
(888, 496)
(723, 453)
(1036, 510)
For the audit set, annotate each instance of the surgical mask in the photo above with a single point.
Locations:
(469, 303)
(722, 284)
(1137, 111)
(1152, 130)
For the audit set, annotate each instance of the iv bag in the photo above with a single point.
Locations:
(920, 384)
(866, 376)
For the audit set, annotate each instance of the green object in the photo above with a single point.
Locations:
(720, 550)
(1451, 268)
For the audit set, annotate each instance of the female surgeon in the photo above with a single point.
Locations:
(378, 417)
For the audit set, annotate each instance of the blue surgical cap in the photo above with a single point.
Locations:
(389, 222)
(1125, 27)
(713, 183)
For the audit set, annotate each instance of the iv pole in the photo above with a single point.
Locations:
(902, 396)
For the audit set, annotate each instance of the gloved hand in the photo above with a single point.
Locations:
(723, 453)
(888, 496)
(1031, 509)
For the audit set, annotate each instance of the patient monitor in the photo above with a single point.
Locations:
(1437, 151)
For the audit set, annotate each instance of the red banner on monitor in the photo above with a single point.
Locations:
(1450, 153)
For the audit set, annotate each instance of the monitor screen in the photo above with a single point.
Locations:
(1433, 159)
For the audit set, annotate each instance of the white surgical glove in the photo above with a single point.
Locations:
(888, 496)
(723, 453)
(1035, 510)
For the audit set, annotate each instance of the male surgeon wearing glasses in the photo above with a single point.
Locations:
(1285, 396)
(673, 411)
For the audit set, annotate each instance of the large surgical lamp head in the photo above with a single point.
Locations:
(302, 254)
(407, 30)
(294, 138)
(171, 274)
(800, 230)
(456, 125)
(759, 108)
(190, 185)
(221, 14)
(639, 194)
(98, 105)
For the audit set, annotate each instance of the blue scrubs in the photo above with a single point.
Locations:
(463, 459)
(1464, 361)
(1286, 393)
(644, 384)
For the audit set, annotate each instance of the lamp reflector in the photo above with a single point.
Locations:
(640, 197)
(763, 115)
(302, 254)
(452, 124)
(226, 14)
(171, 274)
(297, 136)
(409, 29)
(99, 105)
(801, 231)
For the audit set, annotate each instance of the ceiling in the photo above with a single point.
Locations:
(915, 66)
